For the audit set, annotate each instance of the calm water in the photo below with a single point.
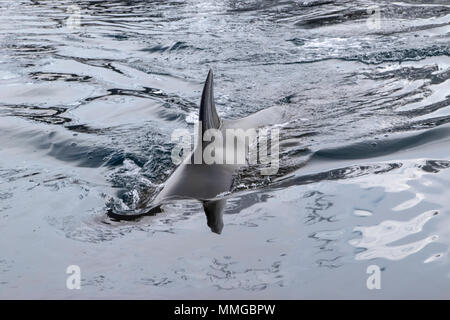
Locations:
(87, 111)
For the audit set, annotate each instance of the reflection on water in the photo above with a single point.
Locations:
(376, 238)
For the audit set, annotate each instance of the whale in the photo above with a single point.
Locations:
(200, 180)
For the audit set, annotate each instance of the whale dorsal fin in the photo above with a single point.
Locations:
(208, 114)
(208, 117)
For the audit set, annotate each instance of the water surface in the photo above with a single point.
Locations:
(87, 111)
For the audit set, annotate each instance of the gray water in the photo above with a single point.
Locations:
(87, 111)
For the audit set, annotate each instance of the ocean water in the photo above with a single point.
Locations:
(91, 91)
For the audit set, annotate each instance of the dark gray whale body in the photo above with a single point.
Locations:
(201, 181)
